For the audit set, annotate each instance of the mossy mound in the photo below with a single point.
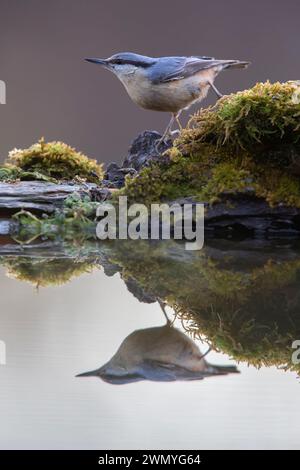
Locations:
(249, 142)
(54, 160)
(252, 120)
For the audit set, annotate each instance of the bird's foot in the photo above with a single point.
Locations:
(175, 133)
(162, 144)
(217, 92)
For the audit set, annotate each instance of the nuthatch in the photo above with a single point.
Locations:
(168, 84)
(160, 354)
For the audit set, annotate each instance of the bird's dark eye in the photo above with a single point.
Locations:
(117, 61)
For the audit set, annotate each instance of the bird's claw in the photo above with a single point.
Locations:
(159, 143)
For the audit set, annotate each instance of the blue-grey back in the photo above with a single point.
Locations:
(175, 68)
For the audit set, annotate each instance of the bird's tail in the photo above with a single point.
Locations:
(223, 370)
(235, 64)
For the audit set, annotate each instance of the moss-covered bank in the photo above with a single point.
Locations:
(249, 142)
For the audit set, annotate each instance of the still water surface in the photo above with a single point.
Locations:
(57, 332)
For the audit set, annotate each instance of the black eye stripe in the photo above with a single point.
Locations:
(129, 62)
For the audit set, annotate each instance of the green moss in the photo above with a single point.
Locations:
(56, 160)
(158, 183)
(182, 176)
(225, 178)
(277, 187)
(210, 182)
(9, 173)
(249, 141)
(75, 221)
(265, 115)
(12, 173)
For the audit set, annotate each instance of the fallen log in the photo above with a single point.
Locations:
(39, 196)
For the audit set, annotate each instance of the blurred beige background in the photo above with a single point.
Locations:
(52, 92)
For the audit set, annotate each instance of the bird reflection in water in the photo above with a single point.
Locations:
(160, 354)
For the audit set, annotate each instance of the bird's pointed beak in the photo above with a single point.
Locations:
(91, 373)
(98, 61)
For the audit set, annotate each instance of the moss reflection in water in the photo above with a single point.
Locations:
(245, 302)
(45, 272)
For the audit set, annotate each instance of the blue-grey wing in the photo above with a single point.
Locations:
(176, 68)
(158, 371)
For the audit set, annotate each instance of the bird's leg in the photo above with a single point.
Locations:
(169, 126)
(219, 95)
(167, 131)
(162, 306)
(177, 119)
(207, 352)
